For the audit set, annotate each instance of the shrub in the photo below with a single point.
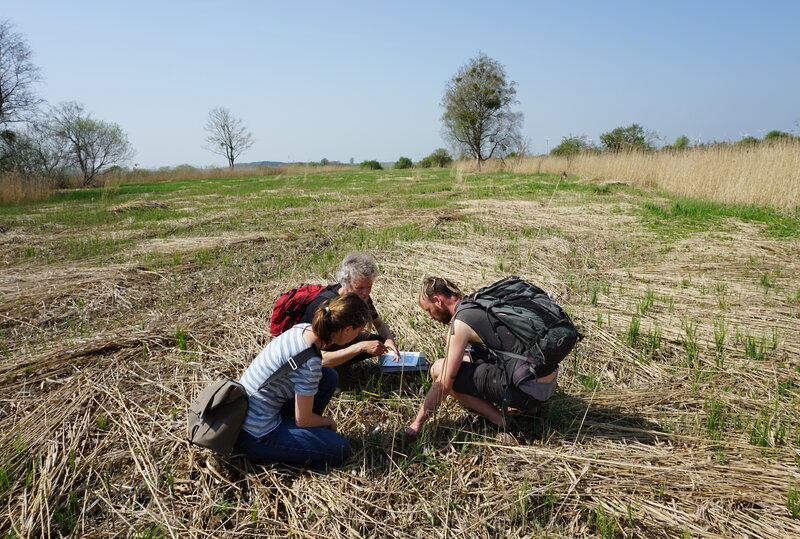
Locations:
(631, 138)
(777, 135)
(570, 145)
(440, 158)
(747, 141)
(425, 162)
(403, 162)
(681, 143)
(370, 165)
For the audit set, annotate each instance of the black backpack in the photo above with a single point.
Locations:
(544, 330)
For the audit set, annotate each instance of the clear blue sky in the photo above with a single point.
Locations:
(314, 79)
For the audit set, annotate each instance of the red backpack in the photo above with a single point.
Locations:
(291, 305)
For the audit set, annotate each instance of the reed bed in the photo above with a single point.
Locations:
(766, 174)
(683, 435)
(17, 187)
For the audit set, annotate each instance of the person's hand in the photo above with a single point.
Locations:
(392, 347)
(412, 432)
(373, 348)
(331, 424)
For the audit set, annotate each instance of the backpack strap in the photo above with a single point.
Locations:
(292, 364)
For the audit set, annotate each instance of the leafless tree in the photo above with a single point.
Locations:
(227, 134)
(95, 145)
(18, 75)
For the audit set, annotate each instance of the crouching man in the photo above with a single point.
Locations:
(468, 372)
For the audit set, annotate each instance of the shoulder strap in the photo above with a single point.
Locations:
(293, 363)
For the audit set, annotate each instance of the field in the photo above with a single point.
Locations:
(675, 417)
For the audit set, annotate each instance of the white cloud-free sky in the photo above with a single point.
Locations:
(364, 79)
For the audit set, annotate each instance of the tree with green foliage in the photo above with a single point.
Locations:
(631, 138)
(570, 146)
(440, 158)
(94, 145)
(478, 119)
(404, 162)
(371, 165)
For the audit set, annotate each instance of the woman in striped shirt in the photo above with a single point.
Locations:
(284, 420)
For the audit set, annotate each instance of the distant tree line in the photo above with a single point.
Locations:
(634, 138)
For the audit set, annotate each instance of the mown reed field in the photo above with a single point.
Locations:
(16, 187)
(191, 173)
(675, 417)
(763, 174)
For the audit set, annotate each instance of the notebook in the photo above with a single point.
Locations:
(409, 361)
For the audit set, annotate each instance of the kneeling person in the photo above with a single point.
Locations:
(467, 372)
(356, 275)
(284, 421)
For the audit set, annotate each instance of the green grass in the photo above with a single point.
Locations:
(632, 335)
(685, 215)
(793, 502)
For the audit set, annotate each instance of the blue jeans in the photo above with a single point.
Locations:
(290, 444)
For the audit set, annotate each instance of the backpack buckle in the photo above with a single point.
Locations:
(292, 364)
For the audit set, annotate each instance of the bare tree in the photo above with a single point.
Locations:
(94, 145)
(36, 151)
(227, 134)
(17, 77)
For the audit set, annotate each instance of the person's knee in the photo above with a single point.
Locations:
(436, 369)
(330, 376)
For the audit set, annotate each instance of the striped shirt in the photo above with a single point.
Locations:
(264, 407)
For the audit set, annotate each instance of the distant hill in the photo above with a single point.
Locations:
(261, 164)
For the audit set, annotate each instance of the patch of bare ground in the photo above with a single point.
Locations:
(680, 434)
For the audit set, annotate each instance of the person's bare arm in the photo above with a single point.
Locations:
(305, 417)
(456, 345)
(334, 358)
(387, 336)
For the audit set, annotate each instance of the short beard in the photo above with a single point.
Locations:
(442, 315)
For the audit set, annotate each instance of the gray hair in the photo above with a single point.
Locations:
(357, 264)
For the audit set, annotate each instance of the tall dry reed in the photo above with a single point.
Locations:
(765, 174)
(18, 187)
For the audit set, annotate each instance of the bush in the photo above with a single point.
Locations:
(777, 135)
(570, 146)
(403, 162)
(440, 158)
(425, 162)
(370, 165)
(681, 143)
(625, 139)
(747, 141)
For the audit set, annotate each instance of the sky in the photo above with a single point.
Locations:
(365, 79)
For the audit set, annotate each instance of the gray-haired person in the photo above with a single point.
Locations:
(356, 274)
